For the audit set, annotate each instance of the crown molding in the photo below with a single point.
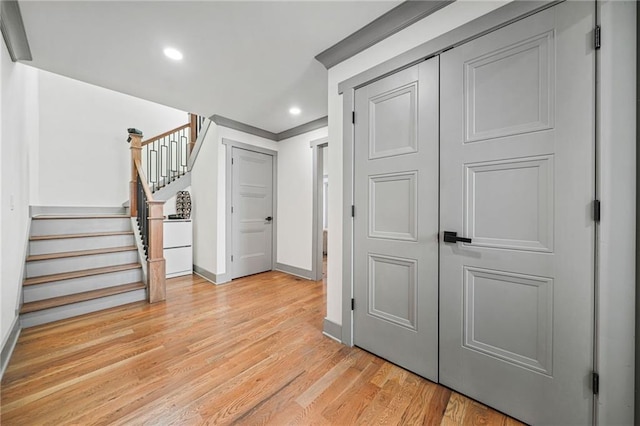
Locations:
(13, 32)
(256, 131)
(385, 26)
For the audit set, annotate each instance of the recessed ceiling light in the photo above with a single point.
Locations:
(294, 111)
(172, 53)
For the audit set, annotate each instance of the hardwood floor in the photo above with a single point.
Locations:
(248, 352)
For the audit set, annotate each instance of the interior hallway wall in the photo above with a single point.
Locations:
(295, 199)
(19, 118)
(83, 132)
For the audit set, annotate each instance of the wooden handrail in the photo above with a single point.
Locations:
(165, 134)
(143, 179)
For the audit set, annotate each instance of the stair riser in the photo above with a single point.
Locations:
(37, 292)
(79, 226)
(61, 312)
(69, 264)
(78, 244)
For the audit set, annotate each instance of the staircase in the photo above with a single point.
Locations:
(79, 264)
(83, 262)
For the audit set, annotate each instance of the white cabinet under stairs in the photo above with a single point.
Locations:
(79, 264)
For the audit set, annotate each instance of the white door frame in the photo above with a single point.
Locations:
(230, 144)
(316, 223)
(615, 284)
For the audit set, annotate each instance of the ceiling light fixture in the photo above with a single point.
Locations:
(172, 53)
(294, 111)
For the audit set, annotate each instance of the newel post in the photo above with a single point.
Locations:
(136, 154)
(155, 258)
(193, 130)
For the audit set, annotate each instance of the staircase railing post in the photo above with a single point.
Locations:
(136, 154)
(193, 130)
(156, 266)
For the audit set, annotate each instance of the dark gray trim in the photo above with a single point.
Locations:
(332, 330)
(395, 20)
(505, 15)
(230, 144)
(276, 137)
(246, 128)
(492, 21)
(210, 276)
(316, 222)
(304, 128)
(294, 270)
(637, 283)
(199, 141)
(9, 345)
(12, 27)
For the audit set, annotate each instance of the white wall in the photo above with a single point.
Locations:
(204, 202)
(442, 21)
(295, 199)
(83, 131)
(19, 117)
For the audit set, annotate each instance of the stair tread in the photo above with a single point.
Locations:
(82, 216)
(79, 297)
(86, 235)
(80, 274)
(62, 255)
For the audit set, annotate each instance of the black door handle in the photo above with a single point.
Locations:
(268, 218)
(452, 237)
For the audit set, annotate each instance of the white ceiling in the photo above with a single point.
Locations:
(248, 61)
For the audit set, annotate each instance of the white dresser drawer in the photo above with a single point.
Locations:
(179, 261)
(177, 234)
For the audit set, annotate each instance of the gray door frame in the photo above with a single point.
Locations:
(230, 144)
(615, 356)
(316, 222)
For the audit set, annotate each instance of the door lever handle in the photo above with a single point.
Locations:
(268, 218)
(452, 237)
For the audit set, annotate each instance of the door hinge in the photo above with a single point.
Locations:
(595, 383)
(596, 210)
(232, 258)
(231, 209)
(596, 37)
(353, 211)
(353, 117)
(232, 161)
(353, 304)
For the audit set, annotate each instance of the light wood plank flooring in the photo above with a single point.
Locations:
(249, 352)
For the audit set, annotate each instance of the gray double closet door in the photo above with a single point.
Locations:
(494, 141)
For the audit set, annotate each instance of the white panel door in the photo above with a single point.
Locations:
(517, 172)
(396, 218)
(252, 212)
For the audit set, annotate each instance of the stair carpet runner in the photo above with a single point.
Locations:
(79, 264)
